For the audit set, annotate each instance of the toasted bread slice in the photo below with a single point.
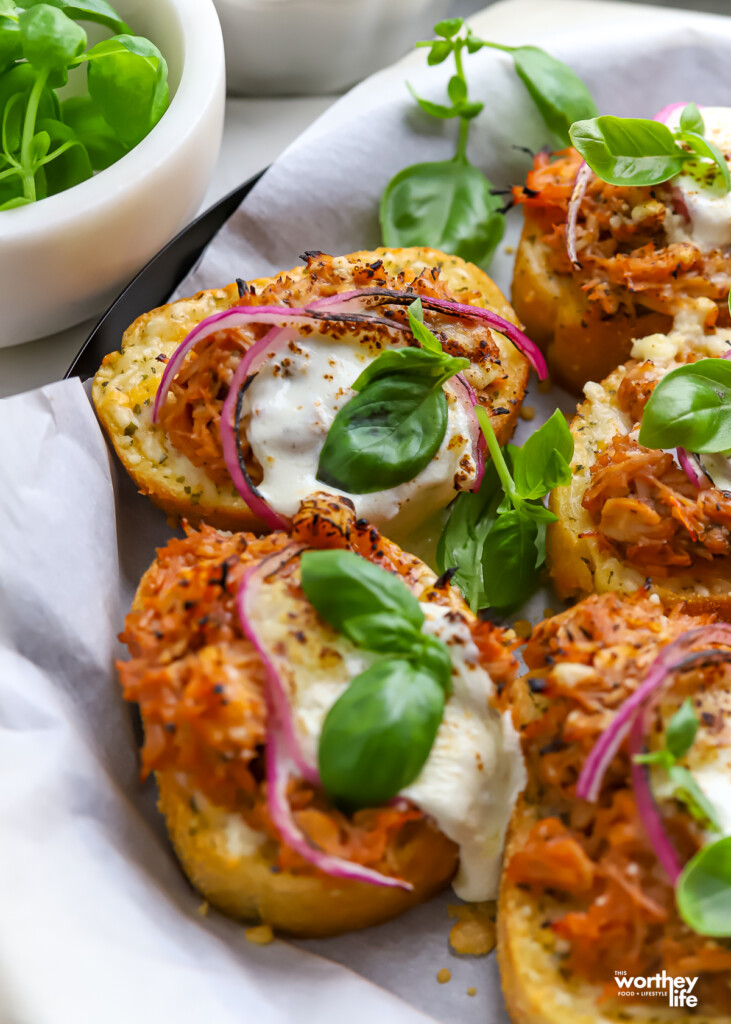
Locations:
(125, 386)
(200, 686)
(578, 561)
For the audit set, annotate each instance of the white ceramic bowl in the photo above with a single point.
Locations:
(65, 258)
(282, 47)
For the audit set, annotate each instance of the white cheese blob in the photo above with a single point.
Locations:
(687, 334)
(290, 407)
(709, 208)
(475, 769)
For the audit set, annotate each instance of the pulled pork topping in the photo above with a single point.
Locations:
(646, 509)
(602, 892)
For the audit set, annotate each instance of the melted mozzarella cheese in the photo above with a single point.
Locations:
(709, 207)
(289, 409)
(475, 769)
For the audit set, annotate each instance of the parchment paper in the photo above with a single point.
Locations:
(98, 924)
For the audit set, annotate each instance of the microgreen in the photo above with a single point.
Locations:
(451, 204)
(49, 146)
(680, 734)
(634, 151)
(495, 539)
(703, 893)
(690, 408)
(395, 424)
(378, 734)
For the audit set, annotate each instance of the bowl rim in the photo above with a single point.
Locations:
(202, 49)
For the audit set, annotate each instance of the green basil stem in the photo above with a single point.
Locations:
(31, 113)
(464, 122)
(496, 454)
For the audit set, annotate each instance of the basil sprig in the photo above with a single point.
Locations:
(679, 737)
(634, 151)
(388, 432)
(691, 408)
(47, 145)
(377, 736)
(495, 538)
(703, 893)
(451, 204)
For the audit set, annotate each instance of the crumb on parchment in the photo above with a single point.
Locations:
(443, 975)
(260, 934)
(475, 933)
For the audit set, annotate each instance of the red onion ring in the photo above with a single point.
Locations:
(602, 753)
(465, 393)
(277, 698)
(278, 769)
(283, 752)
(646, 806)
(230, 432)
(686, 464)
(241, 316)
(581, 181)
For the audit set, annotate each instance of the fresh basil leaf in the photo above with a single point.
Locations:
(10, 45)
(377, 736)
(681, 729)
(434, 657)
(12, 123)
(509, 560)
(83, 116)
(20, 79)
(691, 119)
(128, 82)
(460, 545)
(419, 329)
(439, 52)
(448, 27)
(70, 167)
(558, 92)
(544, 460)
(7, 7)
(49, 38)
(383, 632)
(537, 511)
(688, 792)
(708, 150)
(447, 205)
(457, 90)
(86, 10)
(385, 435)
(432, 368)
(628, 150)
(703, 893)
(690, 408)
(39, 146)
(341, 586)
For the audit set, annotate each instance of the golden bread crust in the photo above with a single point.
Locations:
(128, 380)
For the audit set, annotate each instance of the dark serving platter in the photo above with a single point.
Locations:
(156, 282)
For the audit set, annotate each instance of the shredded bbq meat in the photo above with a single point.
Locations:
(604, 893)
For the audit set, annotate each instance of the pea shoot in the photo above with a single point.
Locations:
(48, 144)
(451, 204)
